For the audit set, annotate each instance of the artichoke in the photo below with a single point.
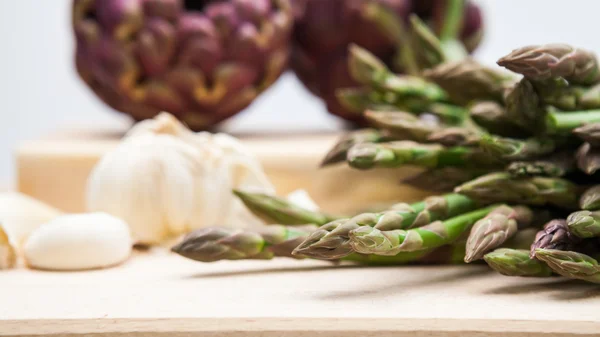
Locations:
(324, 30)
(201, 60)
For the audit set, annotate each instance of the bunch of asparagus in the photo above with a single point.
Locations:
(511, 153)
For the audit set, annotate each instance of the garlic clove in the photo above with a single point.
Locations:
(20, 215)
(79, 242)
(8, 255)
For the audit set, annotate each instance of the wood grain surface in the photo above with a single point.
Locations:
(158, 294)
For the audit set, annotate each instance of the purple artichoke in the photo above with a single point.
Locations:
(201, 60)
(325, 28)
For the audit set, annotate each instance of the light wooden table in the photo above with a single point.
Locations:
(163, 295)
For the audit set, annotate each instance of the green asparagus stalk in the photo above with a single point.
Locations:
(215, 243)
(516, 149)
(590, 98)
(218, 244)
(589, 133)
(426, 45)
(556, 165)
(273, 209)
(560, 94)
(492, 231)
(442, 180)
(467, 80)
(399, 153)
(584, 224)
(588, 158)
(332, 240)
(356, 100)
(523, 107)
(566, 122)
(516, 262)
(492, 116)
(339, 152)
(502, 187)
(390, 23)
(450, 29)
(571, 264)
(545, 62)
(397, 122)
(456, 136)
(554, 235)
(370, 240)
(368, 70)
(590, 199)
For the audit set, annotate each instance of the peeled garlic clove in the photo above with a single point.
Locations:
(79, 242)
(20, 215)
(8, 256)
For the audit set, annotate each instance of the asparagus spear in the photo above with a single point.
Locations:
(355, 99)
(493, 117)
(560, 94)
(566, 122)
(273, 209)
(502, 187)
(571, 264)
(215, 243)
(332, 240)
(584, 224)
(515, 149)
(554, 166)
(588, 158)
(338, 153)
(449, 29)
(370, 240)
(367, 69)
(416, 128)
(516, 262)
(554, 235)
(589, 133)
(493, 230)
(467, 80)
(442, 180)
(590, 98)
(541, 63)
(399, 153)
(523, 107)
(590, 199)
(456, 136)
(425, 44)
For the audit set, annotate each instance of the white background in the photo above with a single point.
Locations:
(40, 92)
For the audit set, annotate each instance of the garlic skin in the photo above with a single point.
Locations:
(20, 215)
(165, 180)
(78, 242)
(8, 255)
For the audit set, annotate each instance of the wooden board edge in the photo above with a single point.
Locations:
(297, 327)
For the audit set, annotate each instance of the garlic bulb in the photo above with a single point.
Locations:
(21, 214)
(78, 242)
(165, 180)
(8, 256)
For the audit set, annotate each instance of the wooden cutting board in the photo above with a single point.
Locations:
(55, 169)
(159, 294)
